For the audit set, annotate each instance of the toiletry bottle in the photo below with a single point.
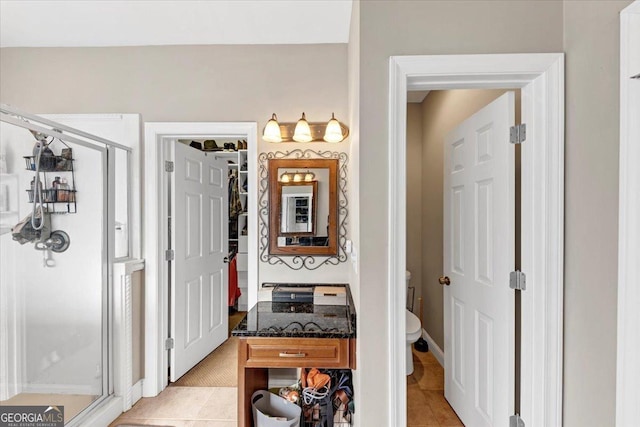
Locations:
(65, 191)
(47, 159)
(33, 184)
(55, 190)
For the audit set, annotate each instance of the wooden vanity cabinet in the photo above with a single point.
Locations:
(257, 354)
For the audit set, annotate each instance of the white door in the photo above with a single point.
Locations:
(199, 276)
(478, 257)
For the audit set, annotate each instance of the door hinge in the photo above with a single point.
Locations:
(516, 421)
(168, 166)
(169, 343)
(517, 280)
(169, 255)
(518, 133)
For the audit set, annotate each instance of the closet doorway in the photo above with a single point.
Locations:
(199, 277)
(162, 335)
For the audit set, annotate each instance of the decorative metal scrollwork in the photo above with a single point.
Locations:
(298, 262)
(300, 327)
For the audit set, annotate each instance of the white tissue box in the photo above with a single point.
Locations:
(330, 295)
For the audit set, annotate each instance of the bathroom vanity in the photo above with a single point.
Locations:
(292, 335)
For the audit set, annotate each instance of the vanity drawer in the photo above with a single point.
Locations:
(296, 352)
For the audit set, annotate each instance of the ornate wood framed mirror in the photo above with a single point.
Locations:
(303, 206)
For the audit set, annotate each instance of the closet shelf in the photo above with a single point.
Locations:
(226, 154)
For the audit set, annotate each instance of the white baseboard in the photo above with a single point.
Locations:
(433, 348)
(136, 392)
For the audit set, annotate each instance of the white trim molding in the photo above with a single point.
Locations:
(123, 330)
(157, 135)
(434, 348)
(541, 80)
(628, 368)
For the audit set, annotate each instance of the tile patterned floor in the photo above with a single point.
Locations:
(426, 405)
(185, 407)
(216, 406)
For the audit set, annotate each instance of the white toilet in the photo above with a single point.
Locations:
(414, 331)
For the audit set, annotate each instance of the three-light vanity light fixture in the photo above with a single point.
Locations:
(296, 176)
(303, 131)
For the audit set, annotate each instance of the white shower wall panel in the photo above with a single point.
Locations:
(59, 309)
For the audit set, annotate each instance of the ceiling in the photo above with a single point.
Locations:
(62, 23)
(416, 96)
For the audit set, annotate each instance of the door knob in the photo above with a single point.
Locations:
(444, 280)
(226, 259)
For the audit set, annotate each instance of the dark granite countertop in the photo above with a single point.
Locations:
(299, 320)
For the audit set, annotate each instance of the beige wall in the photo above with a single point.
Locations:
(188, 83)
(180, 83)
(414, 200)
(441, 112)
(591, 41)
(353, 76)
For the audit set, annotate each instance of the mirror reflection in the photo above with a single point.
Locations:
(303, 206)
(297, 207)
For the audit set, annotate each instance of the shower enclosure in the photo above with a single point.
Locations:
(56, 297)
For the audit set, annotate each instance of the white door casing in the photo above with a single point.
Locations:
(159, 136)
(628, 354)
(199, 218)
(479, 235)
(540, 76)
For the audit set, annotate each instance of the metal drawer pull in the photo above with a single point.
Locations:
(285, 354)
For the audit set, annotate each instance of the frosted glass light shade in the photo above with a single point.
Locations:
(271, 131)
(302, 132)
(285, 177)
(333, 132)
(297, 177)
(309, 176)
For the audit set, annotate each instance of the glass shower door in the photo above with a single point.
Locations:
(53, 321)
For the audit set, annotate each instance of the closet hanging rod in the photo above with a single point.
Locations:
(15, 116)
